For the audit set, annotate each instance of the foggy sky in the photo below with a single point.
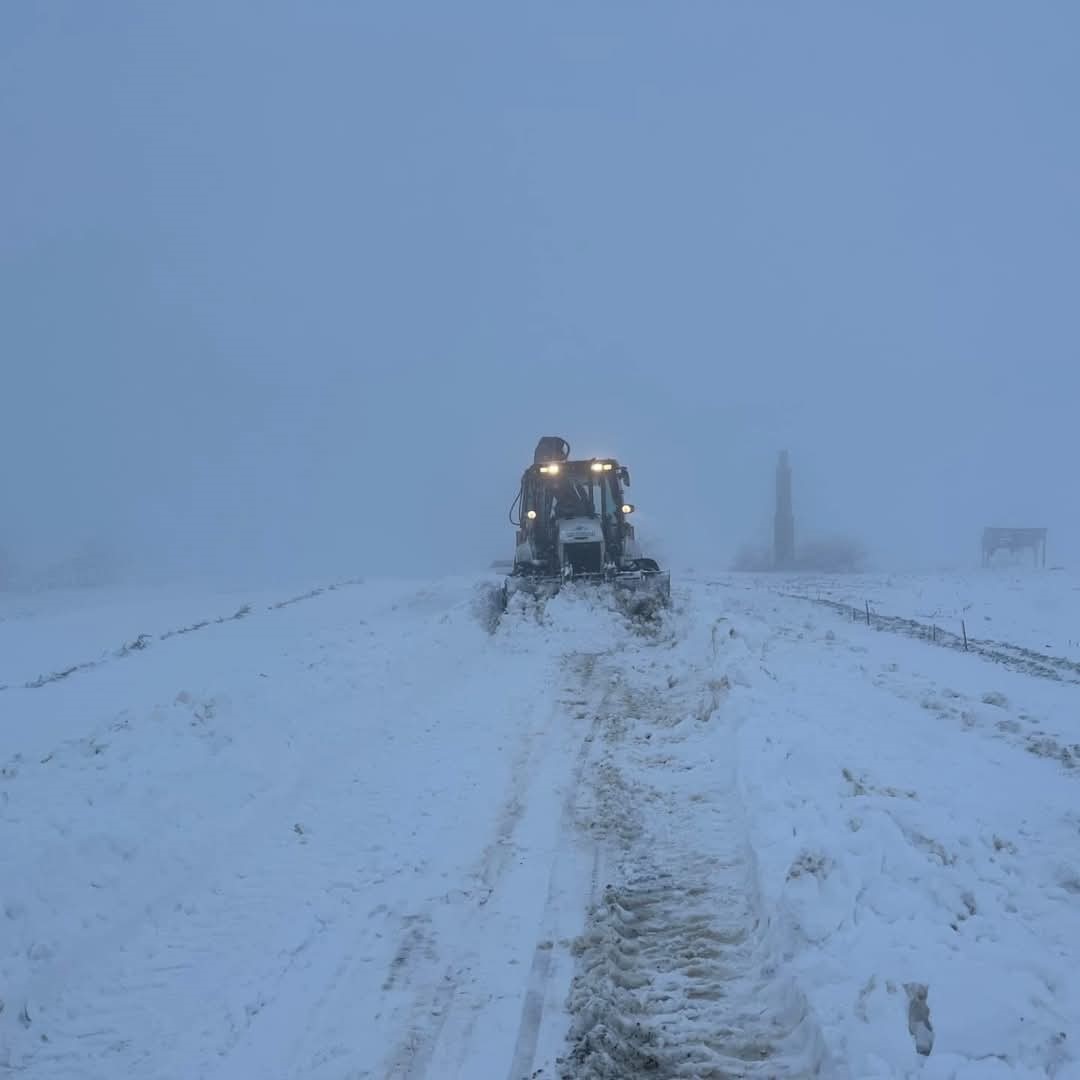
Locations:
(292, 288)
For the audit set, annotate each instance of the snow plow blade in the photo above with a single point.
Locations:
(645, 591)
(640, 592)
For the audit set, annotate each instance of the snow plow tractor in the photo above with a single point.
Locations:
(572, 526)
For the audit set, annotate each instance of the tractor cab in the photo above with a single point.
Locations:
(572, 522)
(575, 509)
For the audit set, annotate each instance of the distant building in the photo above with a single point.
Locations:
(784, 521)
(1013, 540)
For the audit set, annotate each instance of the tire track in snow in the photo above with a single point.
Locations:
(532, 1009)
(676, 975)
(426, 1019)
(426, 1015)
(428, 1011)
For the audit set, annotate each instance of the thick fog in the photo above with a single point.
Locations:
(293, 288)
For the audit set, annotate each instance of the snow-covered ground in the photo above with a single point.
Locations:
(363, 835)
(1021, 607)
(47, 633)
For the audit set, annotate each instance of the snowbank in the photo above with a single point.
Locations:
(920, 868)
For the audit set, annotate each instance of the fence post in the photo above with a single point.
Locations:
(867, 612)
(963, 627)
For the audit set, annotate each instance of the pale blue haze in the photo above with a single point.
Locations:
(294, 287)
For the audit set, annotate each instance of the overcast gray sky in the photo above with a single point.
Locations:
(294, 287)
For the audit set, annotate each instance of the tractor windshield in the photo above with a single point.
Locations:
(582, 492)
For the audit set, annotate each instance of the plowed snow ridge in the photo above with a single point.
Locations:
(676, 975)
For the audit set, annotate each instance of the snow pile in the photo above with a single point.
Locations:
(676, 973)
(921, 872)
(575, 619)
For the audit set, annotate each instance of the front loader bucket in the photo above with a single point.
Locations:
(538, 588)
(644, 592)
(639, 593)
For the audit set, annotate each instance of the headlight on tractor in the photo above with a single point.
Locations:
(531, 515)
(551, 470)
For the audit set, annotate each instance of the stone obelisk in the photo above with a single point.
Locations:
(784, 522)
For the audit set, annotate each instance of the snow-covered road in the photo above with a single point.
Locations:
(360, 835)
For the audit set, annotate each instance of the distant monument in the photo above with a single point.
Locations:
(784, 521)
(1033, 540)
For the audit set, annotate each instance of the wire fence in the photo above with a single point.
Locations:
(1017, 657)
(143, 641)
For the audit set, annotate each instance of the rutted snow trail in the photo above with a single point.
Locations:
(471, 1009)
(676, 977)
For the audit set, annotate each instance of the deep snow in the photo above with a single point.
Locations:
(358, 834)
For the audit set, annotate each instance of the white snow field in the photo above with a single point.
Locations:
(358, 832)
